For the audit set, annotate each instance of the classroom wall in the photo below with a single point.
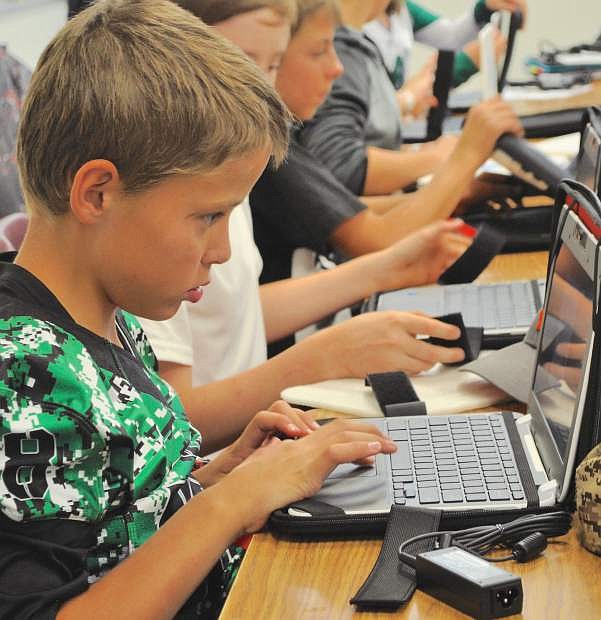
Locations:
(561, 23)
(27, 26)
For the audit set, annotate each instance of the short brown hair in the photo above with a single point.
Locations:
(214, 11)
(306, 8)
(149, 87)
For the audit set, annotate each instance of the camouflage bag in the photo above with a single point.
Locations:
(588, 501)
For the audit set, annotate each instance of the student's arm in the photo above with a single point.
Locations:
(291, 304)
(372, 342)
(388, 171)
(367, 231)
(157, 579)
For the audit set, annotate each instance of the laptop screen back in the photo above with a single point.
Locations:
(563, 356)
(587, 164)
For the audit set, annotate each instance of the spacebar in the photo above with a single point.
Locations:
(401, 458)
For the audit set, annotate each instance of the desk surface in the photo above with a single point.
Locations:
(282, 579)
(582, 100)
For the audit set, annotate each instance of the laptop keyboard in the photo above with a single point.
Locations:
(493, 306)
(453, 460)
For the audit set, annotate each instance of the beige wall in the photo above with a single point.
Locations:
(562, 23)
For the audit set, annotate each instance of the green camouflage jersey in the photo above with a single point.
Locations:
(95, 452)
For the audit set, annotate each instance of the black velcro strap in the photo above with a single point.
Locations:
(470, 339)
(487, 243)
(391, 582)
(392, 389)
(316, 508)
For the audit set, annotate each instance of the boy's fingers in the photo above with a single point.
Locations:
(356, 451)
(420, 324)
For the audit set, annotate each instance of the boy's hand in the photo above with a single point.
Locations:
(279, 420)
(381, 342)
(509, 5)
(418, 90)
(485, 124)
(282, 472)
(423, 256)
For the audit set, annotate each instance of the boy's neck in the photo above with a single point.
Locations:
(58, 264)
(355, 14)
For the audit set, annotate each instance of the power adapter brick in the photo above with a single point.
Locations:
(469, 583)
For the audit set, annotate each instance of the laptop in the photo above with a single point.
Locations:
(496, 461)
(504, 310)
(588, 161)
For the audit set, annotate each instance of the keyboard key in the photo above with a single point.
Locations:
(437, 421)
(517, 495)
(424, 467)
(418, 422)
(447, 479)
(445, 461)
(400, 501)
(429, 495)
(492, 467)
(424, 477)
(398, 486)
(477, 476)
(443, 468)
(498, 495)
(401, 459)
(492, 479)
(427, 484)
(401, 473)
(513, 479)
(496, 485)
(476, 497)
(472, 483)
(450, 486)
(396, 423)
(410, 490)
(515, 487)
(451, 496)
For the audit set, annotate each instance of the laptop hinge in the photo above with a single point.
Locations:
(534, 461)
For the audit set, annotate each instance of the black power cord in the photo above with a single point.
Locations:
(526, 536)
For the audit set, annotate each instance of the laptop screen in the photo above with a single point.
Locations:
(587, 163)
(563, 352)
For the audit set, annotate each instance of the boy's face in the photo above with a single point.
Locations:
(155, 248)
(262, 35)
(310, 65)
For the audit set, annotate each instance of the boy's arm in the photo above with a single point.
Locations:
(368, 231)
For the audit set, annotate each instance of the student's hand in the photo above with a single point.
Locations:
(415, 96)
(280, 419)
(484, 125)
(282, 472)
(509, 5)
(423, 256)
(381, 342)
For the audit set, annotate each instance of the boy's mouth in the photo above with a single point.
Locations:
(193, 295)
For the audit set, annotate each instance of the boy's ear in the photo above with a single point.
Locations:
(94, 184)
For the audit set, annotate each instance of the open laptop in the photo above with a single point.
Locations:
(588, 161)
(496, 461)
(504, 310)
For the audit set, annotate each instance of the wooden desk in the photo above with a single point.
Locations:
(583, 100)
(282, 579)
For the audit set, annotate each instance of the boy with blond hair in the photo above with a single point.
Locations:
(140, 132)
(222, 386)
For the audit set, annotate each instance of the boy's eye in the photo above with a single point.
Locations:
(210, 218)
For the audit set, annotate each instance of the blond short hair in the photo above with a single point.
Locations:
(215, 11)
(306, 8)
(147, 86)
